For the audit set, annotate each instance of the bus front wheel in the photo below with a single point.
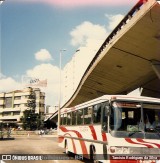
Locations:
(66, 148)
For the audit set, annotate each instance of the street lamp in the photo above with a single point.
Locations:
(73, 69)
(60, 67)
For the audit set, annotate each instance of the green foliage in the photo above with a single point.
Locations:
(32, 101)
(30, 119)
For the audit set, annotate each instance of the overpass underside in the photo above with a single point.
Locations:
(129, 58)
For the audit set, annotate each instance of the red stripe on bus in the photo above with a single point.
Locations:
(132, 142)
(83, 145)
(93, 132)
(141, 140)
(60, 139)
(104, 136)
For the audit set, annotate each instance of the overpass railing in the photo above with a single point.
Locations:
(124, 21)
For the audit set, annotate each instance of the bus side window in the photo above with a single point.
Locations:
(97, 113)
(68, 118)
(80, 117)
(65, 119)
(61, 119)
(88, 115)
(74, 118)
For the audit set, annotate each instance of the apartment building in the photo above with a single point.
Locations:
(13, 104)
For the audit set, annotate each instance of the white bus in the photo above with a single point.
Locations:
(113, 129)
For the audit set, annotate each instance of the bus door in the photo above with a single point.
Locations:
(105, 125)
(105, 113)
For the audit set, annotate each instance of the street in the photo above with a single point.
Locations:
(35, 145)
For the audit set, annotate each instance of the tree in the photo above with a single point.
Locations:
(30, 119)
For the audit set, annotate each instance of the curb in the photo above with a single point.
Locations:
(1, 139)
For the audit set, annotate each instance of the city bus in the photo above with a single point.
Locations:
(113, 129)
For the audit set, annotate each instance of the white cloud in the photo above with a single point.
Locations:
(43, 71)
(91, 35)
(43, 55)
(9, 84)
(1, 75)
(87, 31)
(113, 20)
(51, 73)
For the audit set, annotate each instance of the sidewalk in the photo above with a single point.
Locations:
(34, 135)
(55, 135)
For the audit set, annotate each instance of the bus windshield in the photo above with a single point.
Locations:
(129, 119)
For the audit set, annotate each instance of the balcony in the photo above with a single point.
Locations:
(10, 110)
(10, 118)
(21, 101)
(18, 101)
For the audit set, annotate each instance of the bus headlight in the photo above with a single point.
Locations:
(133, 150)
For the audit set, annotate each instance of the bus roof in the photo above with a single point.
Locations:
(112, 98)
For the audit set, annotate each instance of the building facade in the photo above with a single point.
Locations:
(50, 110)
(13, 104)
(74, 70)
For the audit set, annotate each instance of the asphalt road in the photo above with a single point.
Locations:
(35, 145)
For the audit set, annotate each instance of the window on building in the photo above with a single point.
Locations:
(38, 104)
(26, 105)
(16, 113)
(42, 97)
(16, 105)
(8, 102)
(6, 114)
(17, 97)
(26, 97)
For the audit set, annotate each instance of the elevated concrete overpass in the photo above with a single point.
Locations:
(129, 58)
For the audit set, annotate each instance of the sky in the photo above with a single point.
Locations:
(33, 33)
